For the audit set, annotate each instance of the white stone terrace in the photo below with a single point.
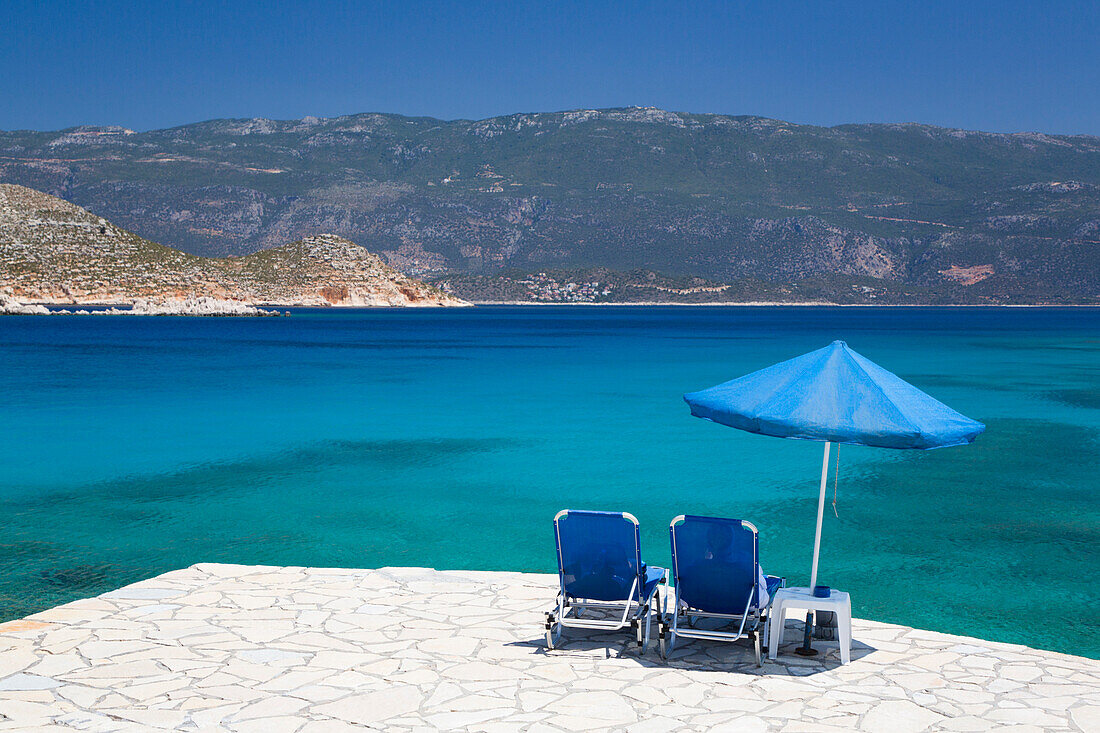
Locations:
(226, 647)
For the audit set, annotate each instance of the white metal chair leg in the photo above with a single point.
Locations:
(667, 641)
(664, 634)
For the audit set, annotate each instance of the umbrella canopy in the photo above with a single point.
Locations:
(835, 395)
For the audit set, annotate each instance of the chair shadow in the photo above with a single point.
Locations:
(698, 654)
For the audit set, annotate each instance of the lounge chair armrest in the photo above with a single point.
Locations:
(773, 586)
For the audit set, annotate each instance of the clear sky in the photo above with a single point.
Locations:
(1004, 66)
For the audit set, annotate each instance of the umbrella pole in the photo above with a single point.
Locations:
(806, 650)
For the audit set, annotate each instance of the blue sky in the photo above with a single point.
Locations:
(1003, 66)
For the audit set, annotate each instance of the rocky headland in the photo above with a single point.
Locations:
(53, 252)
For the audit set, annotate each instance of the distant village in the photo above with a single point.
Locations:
(543, 287)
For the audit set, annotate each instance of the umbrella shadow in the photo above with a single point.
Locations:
(697, 654)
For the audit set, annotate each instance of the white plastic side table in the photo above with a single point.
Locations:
(790, 598)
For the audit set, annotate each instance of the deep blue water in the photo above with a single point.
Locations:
(449, 438)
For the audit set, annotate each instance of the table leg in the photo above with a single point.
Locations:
(844, 631)
(775, 634)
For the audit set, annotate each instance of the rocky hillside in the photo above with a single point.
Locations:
(52, 251)
(874, 213)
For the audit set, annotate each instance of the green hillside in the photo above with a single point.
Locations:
(882, 213)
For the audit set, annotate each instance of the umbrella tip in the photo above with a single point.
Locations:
(838, 342)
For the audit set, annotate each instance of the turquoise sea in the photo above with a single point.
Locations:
(449, 438)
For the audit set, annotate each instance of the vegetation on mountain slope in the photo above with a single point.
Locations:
(881, 213)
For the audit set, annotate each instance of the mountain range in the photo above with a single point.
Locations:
(614, 204)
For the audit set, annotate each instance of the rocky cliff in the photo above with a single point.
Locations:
(52, 251)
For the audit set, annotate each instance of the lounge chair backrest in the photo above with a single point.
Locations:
(599, 555)
(714, 562)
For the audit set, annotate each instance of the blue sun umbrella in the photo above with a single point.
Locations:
(834, 395)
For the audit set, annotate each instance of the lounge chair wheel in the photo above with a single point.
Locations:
(553, 631)
(663, 641)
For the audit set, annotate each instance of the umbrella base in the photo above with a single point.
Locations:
(806, 650)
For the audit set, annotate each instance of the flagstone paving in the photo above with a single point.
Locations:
(245, 648)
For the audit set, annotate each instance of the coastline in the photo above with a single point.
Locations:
(123, 302)
(201, 306)
(61, 308)
(781, 304)
(456, 302)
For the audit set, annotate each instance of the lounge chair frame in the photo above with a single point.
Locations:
(568, 609)
(754, 621)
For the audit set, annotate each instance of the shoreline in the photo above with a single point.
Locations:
(544, 304)
(252, 303)
(777, 304)
(452, 301)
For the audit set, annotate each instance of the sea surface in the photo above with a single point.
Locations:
(450, 438)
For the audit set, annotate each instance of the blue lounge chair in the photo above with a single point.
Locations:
(716, 566)
(600, 567)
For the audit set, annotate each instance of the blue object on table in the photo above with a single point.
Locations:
(822, 591)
